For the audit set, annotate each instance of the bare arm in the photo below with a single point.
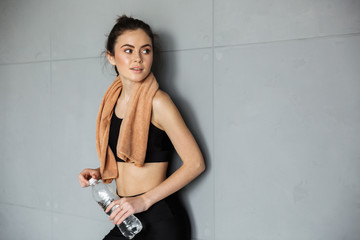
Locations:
(167, 116)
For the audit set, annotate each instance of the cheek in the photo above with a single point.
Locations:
(150, 61)
(121, 60)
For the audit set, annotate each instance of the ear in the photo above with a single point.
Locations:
(110, 58)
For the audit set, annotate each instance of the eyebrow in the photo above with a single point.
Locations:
(128, 45)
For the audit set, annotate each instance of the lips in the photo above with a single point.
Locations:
(137, 69)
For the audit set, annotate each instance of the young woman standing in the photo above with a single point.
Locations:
(138, 126)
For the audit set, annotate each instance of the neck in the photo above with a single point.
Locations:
(127, 89)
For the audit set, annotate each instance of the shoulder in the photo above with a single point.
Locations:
(163, 109)
(161, 100)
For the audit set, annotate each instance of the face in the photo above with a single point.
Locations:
(133, 55)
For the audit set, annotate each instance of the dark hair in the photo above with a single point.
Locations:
(123, 24)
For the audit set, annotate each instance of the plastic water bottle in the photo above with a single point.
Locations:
(104, 195)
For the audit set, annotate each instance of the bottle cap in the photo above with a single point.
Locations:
(92, 181)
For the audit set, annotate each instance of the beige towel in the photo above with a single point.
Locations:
(134, 130)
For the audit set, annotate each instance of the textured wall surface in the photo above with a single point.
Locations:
(270, 89)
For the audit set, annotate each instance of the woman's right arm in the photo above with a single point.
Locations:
(88, 173)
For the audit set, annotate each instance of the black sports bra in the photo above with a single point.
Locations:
(159, 147)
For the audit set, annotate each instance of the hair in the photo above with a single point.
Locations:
(124, 23)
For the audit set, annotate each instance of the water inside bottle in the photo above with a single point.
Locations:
(130, 227)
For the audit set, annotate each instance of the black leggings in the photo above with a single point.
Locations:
(165, 220)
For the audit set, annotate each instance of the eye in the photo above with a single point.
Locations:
(146, 51)
(128, 50)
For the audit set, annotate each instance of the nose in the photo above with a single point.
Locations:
(138, 57)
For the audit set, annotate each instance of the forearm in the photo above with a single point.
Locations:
(179, 179)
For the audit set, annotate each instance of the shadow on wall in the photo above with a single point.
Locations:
(165, 71)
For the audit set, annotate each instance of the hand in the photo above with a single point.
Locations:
(126, 207)
(86, 174)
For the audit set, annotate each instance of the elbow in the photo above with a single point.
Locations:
(200, 167)
(195, 167)
(203, 167)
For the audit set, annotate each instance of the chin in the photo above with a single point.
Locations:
(139, 78)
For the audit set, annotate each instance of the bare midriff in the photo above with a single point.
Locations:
(133, 180)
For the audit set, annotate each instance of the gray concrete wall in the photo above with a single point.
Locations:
(270, 89)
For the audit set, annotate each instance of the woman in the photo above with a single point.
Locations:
(139, 166)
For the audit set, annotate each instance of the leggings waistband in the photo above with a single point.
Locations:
(130, 196)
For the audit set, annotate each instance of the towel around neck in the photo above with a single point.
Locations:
(134, 130)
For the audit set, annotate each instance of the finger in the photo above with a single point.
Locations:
(81, 176)
(114, 212)
(120, 216)
(83, 181)
(112, 204)
(124, 216)
(127, 210)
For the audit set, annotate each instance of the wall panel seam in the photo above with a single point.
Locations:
(51, 139)
(287, 40)
(213, 115)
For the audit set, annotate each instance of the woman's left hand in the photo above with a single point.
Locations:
(126, 207)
